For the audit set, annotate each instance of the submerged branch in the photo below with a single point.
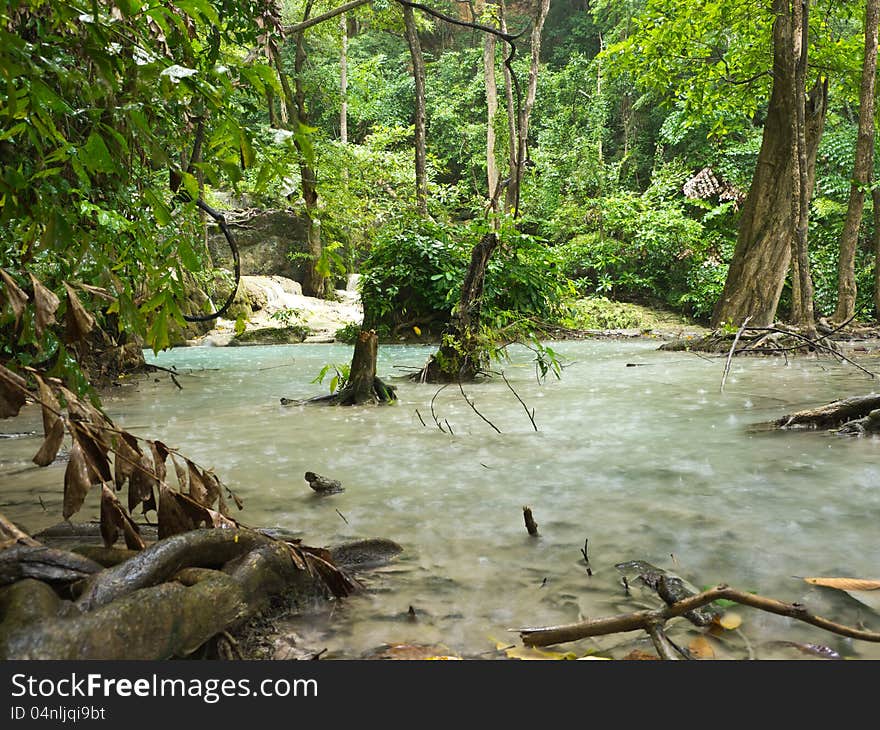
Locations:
(646, 620)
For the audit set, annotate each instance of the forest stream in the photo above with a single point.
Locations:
(637, 450)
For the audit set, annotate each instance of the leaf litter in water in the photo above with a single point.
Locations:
(865, 591)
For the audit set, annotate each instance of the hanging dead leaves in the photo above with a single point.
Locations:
(102, 454)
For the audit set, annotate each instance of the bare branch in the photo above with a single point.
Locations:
(644, 620)
(298, 27)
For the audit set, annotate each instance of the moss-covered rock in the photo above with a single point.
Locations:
(272, 336)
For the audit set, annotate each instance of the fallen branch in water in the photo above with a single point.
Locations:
(732, 349)
(650, 620)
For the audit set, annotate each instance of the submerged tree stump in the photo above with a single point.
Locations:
(362, 386)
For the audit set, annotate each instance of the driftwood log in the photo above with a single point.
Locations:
(857, 414)
(651, 621)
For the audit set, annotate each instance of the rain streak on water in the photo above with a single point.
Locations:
(637, 450)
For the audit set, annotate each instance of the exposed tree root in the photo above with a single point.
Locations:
(166, 601)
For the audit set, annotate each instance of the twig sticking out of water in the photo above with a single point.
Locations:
(342, 516)
(817, 344)
(732, 348)
(586, 557)
(171, 372)
(531, 525)
(474, 408)
(420, 418)
(530, 414)
(433, 414)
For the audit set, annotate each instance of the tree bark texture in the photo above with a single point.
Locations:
(512, 116)
(802, 282)
(314, 283)
(875, 199)
(864, 161)
(492, 177)
(460, 357)
(421, 149)
(343, 80)
(525, 111)
(762, 255)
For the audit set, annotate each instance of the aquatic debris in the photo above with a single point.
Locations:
(323, 485)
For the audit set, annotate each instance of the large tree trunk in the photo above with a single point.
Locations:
(802, 282)
(294, 115)
(418, 62)
(314, 282)
(492, 178)
(525, 111)
(875, 200)
(763, 249)
(846, 278)
(343, 80)
(461, 355)
(512, 117)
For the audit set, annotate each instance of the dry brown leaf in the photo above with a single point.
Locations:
(14, 295)
(181, 471)
(416, 652)
(76, 481)
(127, 455)
(701, 648)
(637, 655)
(76, 410)
(160, 454)
(141, 483)
(220, 520)
(79, 321)
(99, 292)
(235, 498)
(114, 518)
(46, 304)
(49, 450)
(198, 490)
(173, 519)
(50, 405)
(94, 452)
(846, 584)
(180, 513)
(13, 389)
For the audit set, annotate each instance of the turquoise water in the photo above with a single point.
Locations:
(649, 462)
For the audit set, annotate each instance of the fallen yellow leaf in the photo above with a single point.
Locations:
(417, 331)
(846, 584)
(700, 648)
(730, 621)
(528, 652)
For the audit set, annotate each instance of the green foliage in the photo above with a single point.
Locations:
(647, 247)
(600, 313)
(349, 333)
(338, 380)
(286, 317)
(99, 105)
(414, 272)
